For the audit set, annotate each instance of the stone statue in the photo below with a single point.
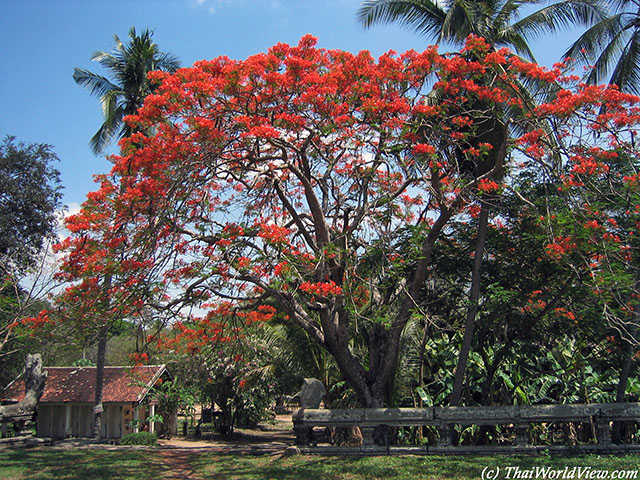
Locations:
(312, 393)
(21, 413)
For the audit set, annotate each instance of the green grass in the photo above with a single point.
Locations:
(80, 464)
(97, 464)
(407, 467)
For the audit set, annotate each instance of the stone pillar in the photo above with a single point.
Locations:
(302, 431)
(152, 412)
(446, 435)
(367, 436)
(136, 418)
(522, 435)
(67, 421)
(603, 430)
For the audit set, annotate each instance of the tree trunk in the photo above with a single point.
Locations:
(474, 295)
(102, 350)
(616, 433)
(625, 369)
(486, 397)
(97, 404)
(423, 345)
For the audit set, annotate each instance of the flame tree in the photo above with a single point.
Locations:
(308, 183)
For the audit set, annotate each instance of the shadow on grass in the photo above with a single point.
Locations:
(99, 464)
(209, 465)
(83, 464)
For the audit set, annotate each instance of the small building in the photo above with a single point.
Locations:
(66, 406)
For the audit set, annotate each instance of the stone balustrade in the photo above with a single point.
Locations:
(520, 417)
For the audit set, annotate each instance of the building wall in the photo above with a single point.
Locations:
(76, 420)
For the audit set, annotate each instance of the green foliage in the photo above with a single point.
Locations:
(83, 362)
(499, 22)
(140, 438)
(610, 48)
(172, 395)
(239, 385)
(30, 198)
(238, 376)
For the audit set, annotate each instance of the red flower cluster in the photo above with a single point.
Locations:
(322, 289)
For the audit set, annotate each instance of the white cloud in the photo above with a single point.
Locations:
(72, 209)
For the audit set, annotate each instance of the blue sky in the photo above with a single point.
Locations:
(43, 40)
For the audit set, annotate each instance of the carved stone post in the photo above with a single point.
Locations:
(367, 435)
(522, 435)
(603, 431)
(446, 436)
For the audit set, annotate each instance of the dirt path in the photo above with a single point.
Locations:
(177, 454)
(267, 439)
(178, 463)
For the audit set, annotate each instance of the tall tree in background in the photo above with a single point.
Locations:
(612, 47)
(29, 199)
(123, 95)
(497, 21)
(129, 65)
(30, 195)
(499, 24)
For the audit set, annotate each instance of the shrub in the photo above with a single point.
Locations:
(140, 438)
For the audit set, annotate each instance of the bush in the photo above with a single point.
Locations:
(140, 438)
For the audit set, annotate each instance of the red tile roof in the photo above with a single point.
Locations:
(76, 384)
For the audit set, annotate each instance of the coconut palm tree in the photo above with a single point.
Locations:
(126, 91)
(498, 21)
(124, 95)
(612, 47)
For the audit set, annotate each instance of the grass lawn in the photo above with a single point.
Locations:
(85, 464)
(408, 467)
(46, 464)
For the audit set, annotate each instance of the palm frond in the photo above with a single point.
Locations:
(609, 57)
(422, 16)
(461, 20)
(516, 42)
(559, 16)
(109, 104)
(102, 137)
(506, 13)
(96, 84)
(119, 46)
(109, 61)
(128, 64)
(167, 62)
(626, 73)
(596, 39)
(623, 5)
